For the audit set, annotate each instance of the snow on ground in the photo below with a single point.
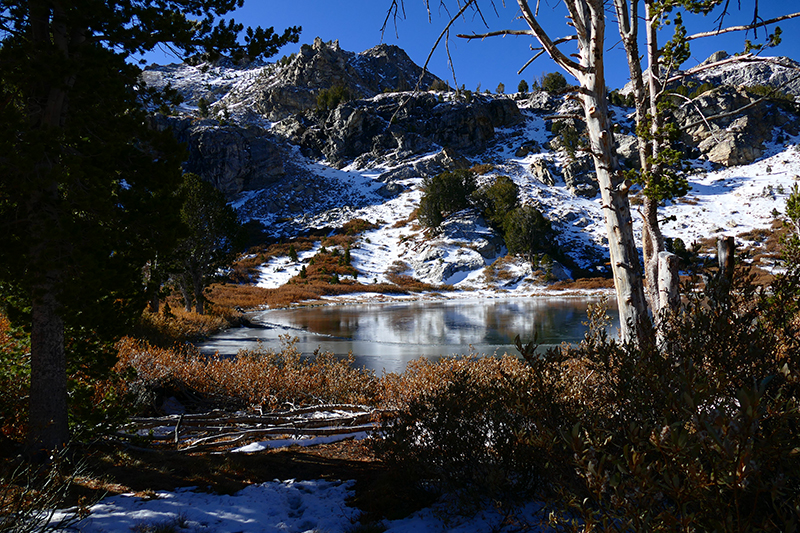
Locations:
(735, 200)
(282, 507)
(279, 270)
(728, 201)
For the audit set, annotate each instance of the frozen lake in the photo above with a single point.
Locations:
(386, 336)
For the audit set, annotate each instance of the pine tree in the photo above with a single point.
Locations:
(213, 239)
(87, 197)
(522, 87)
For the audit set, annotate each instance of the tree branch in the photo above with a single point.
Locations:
(741, 28)
(494, 34)
(747, 58)
(550, 47)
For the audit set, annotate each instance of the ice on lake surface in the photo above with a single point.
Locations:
(386, 336)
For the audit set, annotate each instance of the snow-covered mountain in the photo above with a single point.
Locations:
(295, 169)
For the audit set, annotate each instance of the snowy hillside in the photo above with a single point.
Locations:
(383, 185)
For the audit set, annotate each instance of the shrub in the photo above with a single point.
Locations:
(571, 140)
(527, 232)
(202, 107)
(30, 495)
(460, 428)
(501, 88)
(619, 99)
(554, 82)
(255, 377)
(329, 99)
(445, 194)
(697, 435)
(497, 199)
(14, 382)
(771, 93)
(440, 86)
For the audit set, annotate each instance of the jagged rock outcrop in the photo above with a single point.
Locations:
(232, 158)
(446, 160)
(735, 138)
(540, 170)
(391, 127)
(293, 88)
(779, 72)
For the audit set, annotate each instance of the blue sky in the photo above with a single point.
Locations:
(357, 23)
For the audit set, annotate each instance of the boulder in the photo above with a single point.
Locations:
(628, 150)
(579, 176)
(735, 139)
(528, 147)
(541, 172)
(465, 244)
(446, 160)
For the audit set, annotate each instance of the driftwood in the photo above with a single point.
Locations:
(222, 429)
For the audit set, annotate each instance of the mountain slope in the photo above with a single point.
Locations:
(368, 158)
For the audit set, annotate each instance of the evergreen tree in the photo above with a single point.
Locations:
(501, 88)
(214, 237)
(554, 82)
(87, 195)
(522, 87)
(445, 194)
(528, 232)
(497, 200)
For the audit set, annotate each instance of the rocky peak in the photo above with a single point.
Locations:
(282, 92)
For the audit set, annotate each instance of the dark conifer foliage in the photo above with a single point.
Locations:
(87, 190)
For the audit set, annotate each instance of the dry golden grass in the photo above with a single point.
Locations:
(179, 325)
(583, 283)
(231, 296)
(256, 378)
(499, 270)
(245, 266)
(356, 226)
(273, 379)
(406, 221)
(687, 200)
(482, 168)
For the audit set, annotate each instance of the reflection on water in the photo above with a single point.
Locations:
(386, 336)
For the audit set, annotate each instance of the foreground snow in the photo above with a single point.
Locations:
(281, 506)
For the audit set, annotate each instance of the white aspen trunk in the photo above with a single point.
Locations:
(631, 302)
(668, 280)
(657, 282)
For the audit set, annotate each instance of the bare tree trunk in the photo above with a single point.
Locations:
(647, 106)
(631, 302)
(183, 286)
(48, 427)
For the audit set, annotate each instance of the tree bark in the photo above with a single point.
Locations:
(197, 282)
(48, 420)
(589, 20)
(48, 410)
